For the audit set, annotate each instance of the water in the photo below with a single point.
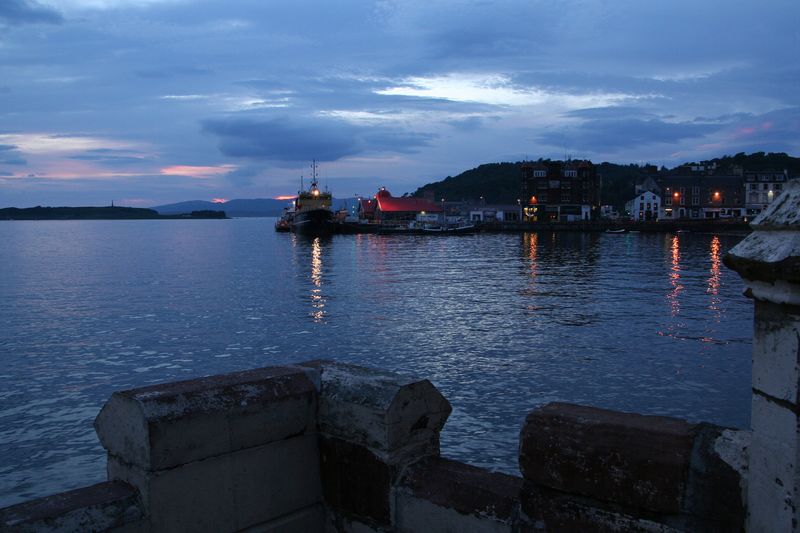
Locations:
(500, 323)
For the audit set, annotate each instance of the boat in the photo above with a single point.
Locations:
(284, 222)
(617, 231)
(312, 214)
(449, 229)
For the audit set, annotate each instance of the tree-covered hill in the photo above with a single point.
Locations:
(500, 183)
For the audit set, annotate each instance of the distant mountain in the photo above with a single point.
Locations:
(255, 207)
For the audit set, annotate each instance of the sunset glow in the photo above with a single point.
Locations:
(219, 200)
(284, 197)
(196, 171)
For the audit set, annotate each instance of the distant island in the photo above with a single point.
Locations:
(99, 213)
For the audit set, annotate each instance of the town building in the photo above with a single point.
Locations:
(562, 191)
(495, 213)
(761, 188)
(386, 207)
(645, 206)
(701, 196)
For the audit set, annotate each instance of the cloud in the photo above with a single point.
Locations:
(610, 134)
(7, 147)
(28, 12)
(172, 72)
(301, 139)
(14, 161)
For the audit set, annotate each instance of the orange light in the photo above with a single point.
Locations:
(716, 194)
(676, 194)
(534, 201)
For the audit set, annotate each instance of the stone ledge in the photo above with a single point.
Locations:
(101, 507)
(467, 489)
(396, 416)
(163, 426)
(630, 459)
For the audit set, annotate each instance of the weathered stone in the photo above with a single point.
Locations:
(310, 519)
(630, 459)
(552, 511)
(716, 488)
(438, 494)
(355, 481)
(770, 256)
(108, 506)
(397, 417)
(229, 492)
(166, 425)
(776, 340)
(772, 484)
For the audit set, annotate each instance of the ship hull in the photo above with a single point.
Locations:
(313, 222)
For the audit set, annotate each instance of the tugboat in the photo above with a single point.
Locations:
(312, 212)
(284, 223)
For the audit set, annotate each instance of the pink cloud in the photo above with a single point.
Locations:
(199, 172)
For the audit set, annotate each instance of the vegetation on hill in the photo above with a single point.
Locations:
(500, 183)
(95, 213)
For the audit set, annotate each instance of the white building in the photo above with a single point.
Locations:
(761, 188)
(492, 213)
(646, 206)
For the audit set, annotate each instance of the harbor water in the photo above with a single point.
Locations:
(500, 323)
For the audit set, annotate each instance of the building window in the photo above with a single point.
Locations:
(555, 184)
(570, 173)
(765, 187)
(539, 173)
(695, 200)
(753, 198)
(695, 191)
(778, 186)
(754, 186)
(566, 197)
(668, 200)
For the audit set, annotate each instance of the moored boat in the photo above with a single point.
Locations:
(312, 210)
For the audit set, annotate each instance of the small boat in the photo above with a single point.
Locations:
(312, 210)
(284, 222)
(617, 231)
(449, 230)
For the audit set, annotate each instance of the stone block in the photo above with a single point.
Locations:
(438, 494)
(548, 510)
(163, 426)
(399, 418)
(109, 506)
(356, 482)
(776, 345)
(229, 492)
(311, 519)
(633, 460)
(773, 477)
(716, 488)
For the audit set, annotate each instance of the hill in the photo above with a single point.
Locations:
(500, 183)
(98, 213)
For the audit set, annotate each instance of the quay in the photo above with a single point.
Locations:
(330, 447)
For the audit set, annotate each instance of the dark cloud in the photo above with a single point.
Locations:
(243, 176)
(3, 173)
(109, 159)
(613, 134)
(28, 12)
(293, 139)
(14, 161)
(7, 147)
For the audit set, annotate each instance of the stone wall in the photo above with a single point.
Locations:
(324, 446)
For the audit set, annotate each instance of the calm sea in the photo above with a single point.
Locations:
(501, 323)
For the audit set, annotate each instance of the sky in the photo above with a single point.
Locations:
(148, 102)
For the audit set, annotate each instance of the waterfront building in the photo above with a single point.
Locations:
(404, 208)
(645, 206)
(561, 191)
(495, 213)
(761, 188)
(701, 196)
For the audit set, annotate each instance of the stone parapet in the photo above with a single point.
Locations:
(112, 506)
(768, 261)
(584, 464)
(217, 454)
(372, 424)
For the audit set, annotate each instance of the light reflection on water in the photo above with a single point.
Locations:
(500, 323)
